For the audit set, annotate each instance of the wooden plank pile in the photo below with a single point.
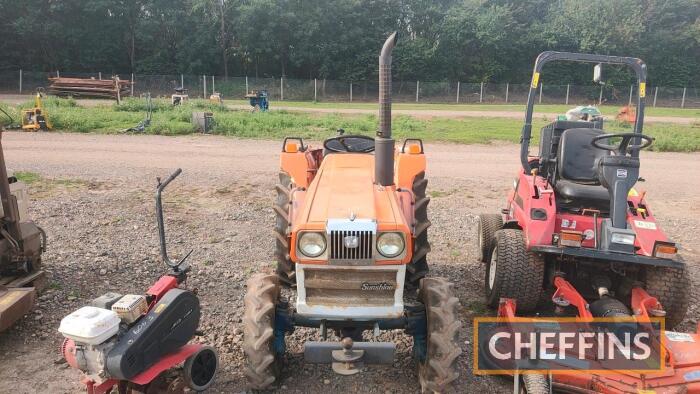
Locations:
(90, 87)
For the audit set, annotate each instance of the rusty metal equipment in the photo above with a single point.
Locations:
(114, 87)
(21, 245)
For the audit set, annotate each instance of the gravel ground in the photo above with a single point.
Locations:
(95, 200)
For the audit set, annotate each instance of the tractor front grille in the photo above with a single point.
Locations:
(351, 246)
(351, 287)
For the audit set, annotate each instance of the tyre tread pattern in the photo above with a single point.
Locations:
(417, 269)
(262, 365)
(489, 223)
(440, 369)
(519, 272)
(285, 267)
(671, 287)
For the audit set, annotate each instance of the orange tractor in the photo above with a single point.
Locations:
(351, 237)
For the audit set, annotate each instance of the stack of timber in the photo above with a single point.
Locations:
(90, 87)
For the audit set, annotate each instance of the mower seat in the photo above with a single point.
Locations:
(577, 183)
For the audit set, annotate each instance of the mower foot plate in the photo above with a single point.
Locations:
(374, 352)
(15, 303)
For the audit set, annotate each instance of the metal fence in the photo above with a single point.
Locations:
(324, 90)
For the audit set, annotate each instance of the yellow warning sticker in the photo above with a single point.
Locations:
(642, 89)
(535, 80)
(633, 193)
(160, 308)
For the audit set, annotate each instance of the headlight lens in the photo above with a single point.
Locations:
(390, 244)
(312, 244)
(623, 239)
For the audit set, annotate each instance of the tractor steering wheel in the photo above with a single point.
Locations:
(624, 147)
(349, 144)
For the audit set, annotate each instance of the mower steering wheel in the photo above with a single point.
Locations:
(624, 147)
(349, 144)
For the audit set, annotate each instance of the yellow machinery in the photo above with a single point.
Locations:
(36, 118)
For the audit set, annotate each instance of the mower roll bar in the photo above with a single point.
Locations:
(635, 64)
(175, 265)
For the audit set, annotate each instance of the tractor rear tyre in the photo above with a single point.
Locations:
(513, 271)
(262, 363)
(489, 223)
(671, 286)
(439, 369)
(285, 266)
(418, 267)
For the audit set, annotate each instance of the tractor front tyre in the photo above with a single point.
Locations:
(513, 271)
(671, 287)
(439, 369)
(285, 266)
(418, 267)
(262, 363)
(489, 223)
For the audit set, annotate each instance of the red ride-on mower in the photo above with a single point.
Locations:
(574, 217)
(135, 343)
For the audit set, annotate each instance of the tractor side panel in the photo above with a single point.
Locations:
(408, 165)
(301, 166)
(534, 198)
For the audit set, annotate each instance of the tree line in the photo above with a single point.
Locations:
(466, 40)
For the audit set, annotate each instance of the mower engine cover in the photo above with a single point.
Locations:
(169, 325)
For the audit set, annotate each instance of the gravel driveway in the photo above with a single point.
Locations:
(95, 200)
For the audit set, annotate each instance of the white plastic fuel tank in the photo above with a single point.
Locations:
(19, 190)
(90, 325)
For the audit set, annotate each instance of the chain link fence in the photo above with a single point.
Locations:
(325, 90)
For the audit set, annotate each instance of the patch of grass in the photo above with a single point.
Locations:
(546, 108)
(27, 177)
(67, 115)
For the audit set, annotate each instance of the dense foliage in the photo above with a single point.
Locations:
(467, 40)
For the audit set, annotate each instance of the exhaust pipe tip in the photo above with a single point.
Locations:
(384, 144)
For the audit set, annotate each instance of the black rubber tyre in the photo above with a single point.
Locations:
(513, 272)
(285, 266)
(440, 370)
(671, 286)
(489, 223)
(200, 368)
(417, 269)
(262, 364)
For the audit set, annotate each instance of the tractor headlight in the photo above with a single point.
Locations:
(390, 244)
(622, 239)
(312, 244)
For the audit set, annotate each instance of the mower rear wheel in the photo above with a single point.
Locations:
(671, 287)
(418, 267)
(285, 266)
(513, 271)
(439, 369)
(262, 363)
(489, 223)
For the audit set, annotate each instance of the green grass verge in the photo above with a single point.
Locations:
(544, 108)
(67, 115)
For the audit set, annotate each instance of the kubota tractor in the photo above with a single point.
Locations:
(351, 236)
(575, 229)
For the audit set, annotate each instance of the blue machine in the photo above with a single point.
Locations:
(258, 100)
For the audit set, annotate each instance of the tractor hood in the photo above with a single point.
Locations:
(344, 189)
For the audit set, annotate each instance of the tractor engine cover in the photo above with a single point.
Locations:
(169, 325)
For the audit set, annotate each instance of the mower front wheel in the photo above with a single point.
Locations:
(439, 369)
(489, 223)
(513, 271)
(671, 287)
(262, 362)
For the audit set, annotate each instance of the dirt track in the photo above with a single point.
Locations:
(96, 204)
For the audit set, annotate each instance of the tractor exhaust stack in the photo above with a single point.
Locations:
(384, 144)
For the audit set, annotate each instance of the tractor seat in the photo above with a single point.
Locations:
(576, 181)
